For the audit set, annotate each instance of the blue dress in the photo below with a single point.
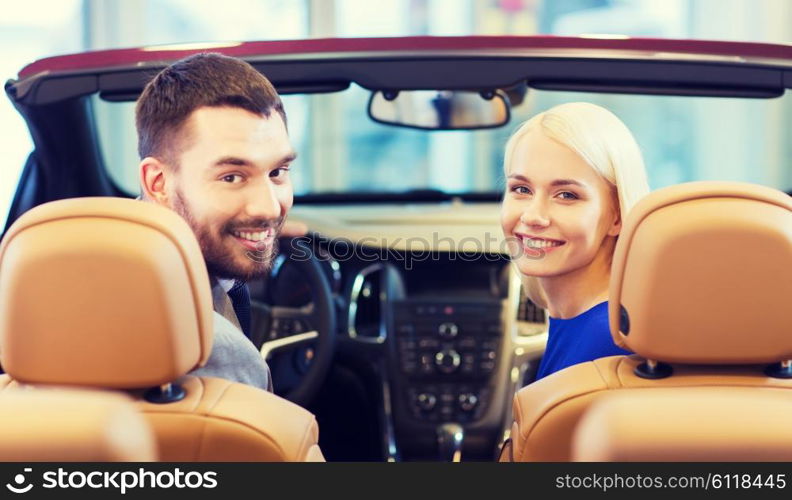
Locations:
(585, 337)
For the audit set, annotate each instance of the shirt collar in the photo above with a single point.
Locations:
(226, 284)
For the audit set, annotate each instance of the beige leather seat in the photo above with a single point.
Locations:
(700, 291)
(114, 293)
(698, 424)
(70, 425)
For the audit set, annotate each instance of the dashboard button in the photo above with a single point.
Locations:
(467, 343)
(426, 401)
(467, 401)
(428, 344)
(447, 361)
(488, 355)
(448, 330)
(407, 344)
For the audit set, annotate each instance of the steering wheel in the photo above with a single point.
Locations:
(311, 328)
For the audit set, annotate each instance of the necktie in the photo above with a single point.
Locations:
(240, 298)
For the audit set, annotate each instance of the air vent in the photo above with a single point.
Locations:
(528, 311)
(366, 305)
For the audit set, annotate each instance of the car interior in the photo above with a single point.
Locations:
(397, 329)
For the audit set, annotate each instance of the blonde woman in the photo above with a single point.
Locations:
(572, 173)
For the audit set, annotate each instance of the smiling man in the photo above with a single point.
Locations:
(214, 148)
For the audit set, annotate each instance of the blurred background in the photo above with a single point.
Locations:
(682, 138)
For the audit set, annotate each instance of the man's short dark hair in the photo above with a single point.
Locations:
(206, 79)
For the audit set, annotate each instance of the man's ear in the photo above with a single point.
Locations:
(153, 180)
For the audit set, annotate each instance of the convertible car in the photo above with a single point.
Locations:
(398, 320)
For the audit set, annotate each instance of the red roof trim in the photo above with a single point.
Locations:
(127, 57)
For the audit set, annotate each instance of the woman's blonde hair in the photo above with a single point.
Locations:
(603, 141)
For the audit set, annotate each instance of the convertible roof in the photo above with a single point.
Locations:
(595, 63)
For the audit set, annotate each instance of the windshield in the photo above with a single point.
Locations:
(341, 150)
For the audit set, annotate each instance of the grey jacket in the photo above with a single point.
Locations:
(233, 356)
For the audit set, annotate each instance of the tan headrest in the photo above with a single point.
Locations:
(102, 292)
(702, 273)
(69, 425)
(723, 424)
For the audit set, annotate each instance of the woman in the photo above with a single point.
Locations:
(572, 173)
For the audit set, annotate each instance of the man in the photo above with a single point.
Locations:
(214, 148)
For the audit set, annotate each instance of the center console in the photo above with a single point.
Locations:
(439, 324)
(442, 361)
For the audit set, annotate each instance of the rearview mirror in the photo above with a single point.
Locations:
(440, 109)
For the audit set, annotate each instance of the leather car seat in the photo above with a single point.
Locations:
(699, 424)
(699, 291)
(72, 425)
(113, 293)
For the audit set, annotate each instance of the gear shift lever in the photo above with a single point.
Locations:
(449, 442)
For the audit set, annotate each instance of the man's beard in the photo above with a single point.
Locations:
(218, 261)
